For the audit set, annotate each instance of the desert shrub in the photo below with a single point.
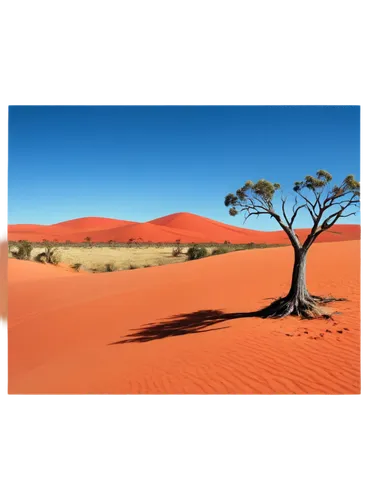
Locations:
(220, 250)
(196, 252)
(76, 266)
(147, 265)
(226, 242)
(110, 267)
(23, 250)
(176, 252)
(41, 258)
(132, 266)
(49, 256)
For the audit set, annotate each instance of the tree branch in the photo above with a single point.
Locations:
(312, 213)
(295, 214)
(250, 213)
(283, 201)
(348, 215)
(309, 202)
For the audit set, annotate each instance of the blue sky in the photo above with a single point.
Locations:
(141, 162)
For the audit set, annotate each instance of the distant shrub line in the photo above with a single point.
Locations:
(210, 244)
(22, 250)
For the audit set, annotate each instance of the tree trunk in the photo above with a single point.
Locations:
(298, 290)
(298, 301)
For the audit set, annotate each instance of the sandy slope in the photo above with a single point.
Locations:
(183, 226)
(104, 333)
(88, 224)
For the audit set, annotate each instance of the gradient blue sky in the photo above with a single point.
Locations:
(142, 162)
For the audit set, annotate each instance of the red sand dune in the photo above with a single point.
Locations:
(27, 228)
(137, 231)
(88, 224)
(63, 231)
(184, 226)
(174, 330)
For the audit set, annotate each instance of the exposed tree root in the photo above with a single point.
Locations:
(307, 307)
(325, 300)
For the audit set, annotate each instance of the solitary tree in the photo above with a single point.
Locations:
(325, 203)
(88, 240)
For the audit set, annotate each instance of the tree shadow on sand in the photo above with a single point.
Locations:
(196, 322)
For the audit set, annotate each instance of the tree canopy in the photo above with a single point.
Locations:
(325, 203)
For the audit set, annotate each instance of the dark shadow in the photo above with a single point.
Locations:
(183, 324)
(203, 321)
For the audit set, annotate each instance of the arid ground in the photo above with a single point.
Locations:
(186, 328)
(94, 258)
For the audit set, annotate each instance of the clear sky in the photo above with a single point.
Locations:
(142, 162)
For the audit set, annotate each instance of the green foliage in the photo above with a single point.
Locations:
(256, 199)
(221, 250)
(23, 251)
(263, 190)
(350, 184)
(49, 256)
(196, 252)
(323, 174)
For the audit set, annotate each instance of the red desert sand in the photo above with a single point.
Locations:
(183, 226)
(182, 328)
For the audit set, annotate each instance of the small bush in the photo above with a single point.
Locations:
(110, 267)
(77, 266)
(49, 256)
(41, 257)
(176, 252)
(147, 265)
(220, 250)
(132, 266)
(196, 252)
(23, 251)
